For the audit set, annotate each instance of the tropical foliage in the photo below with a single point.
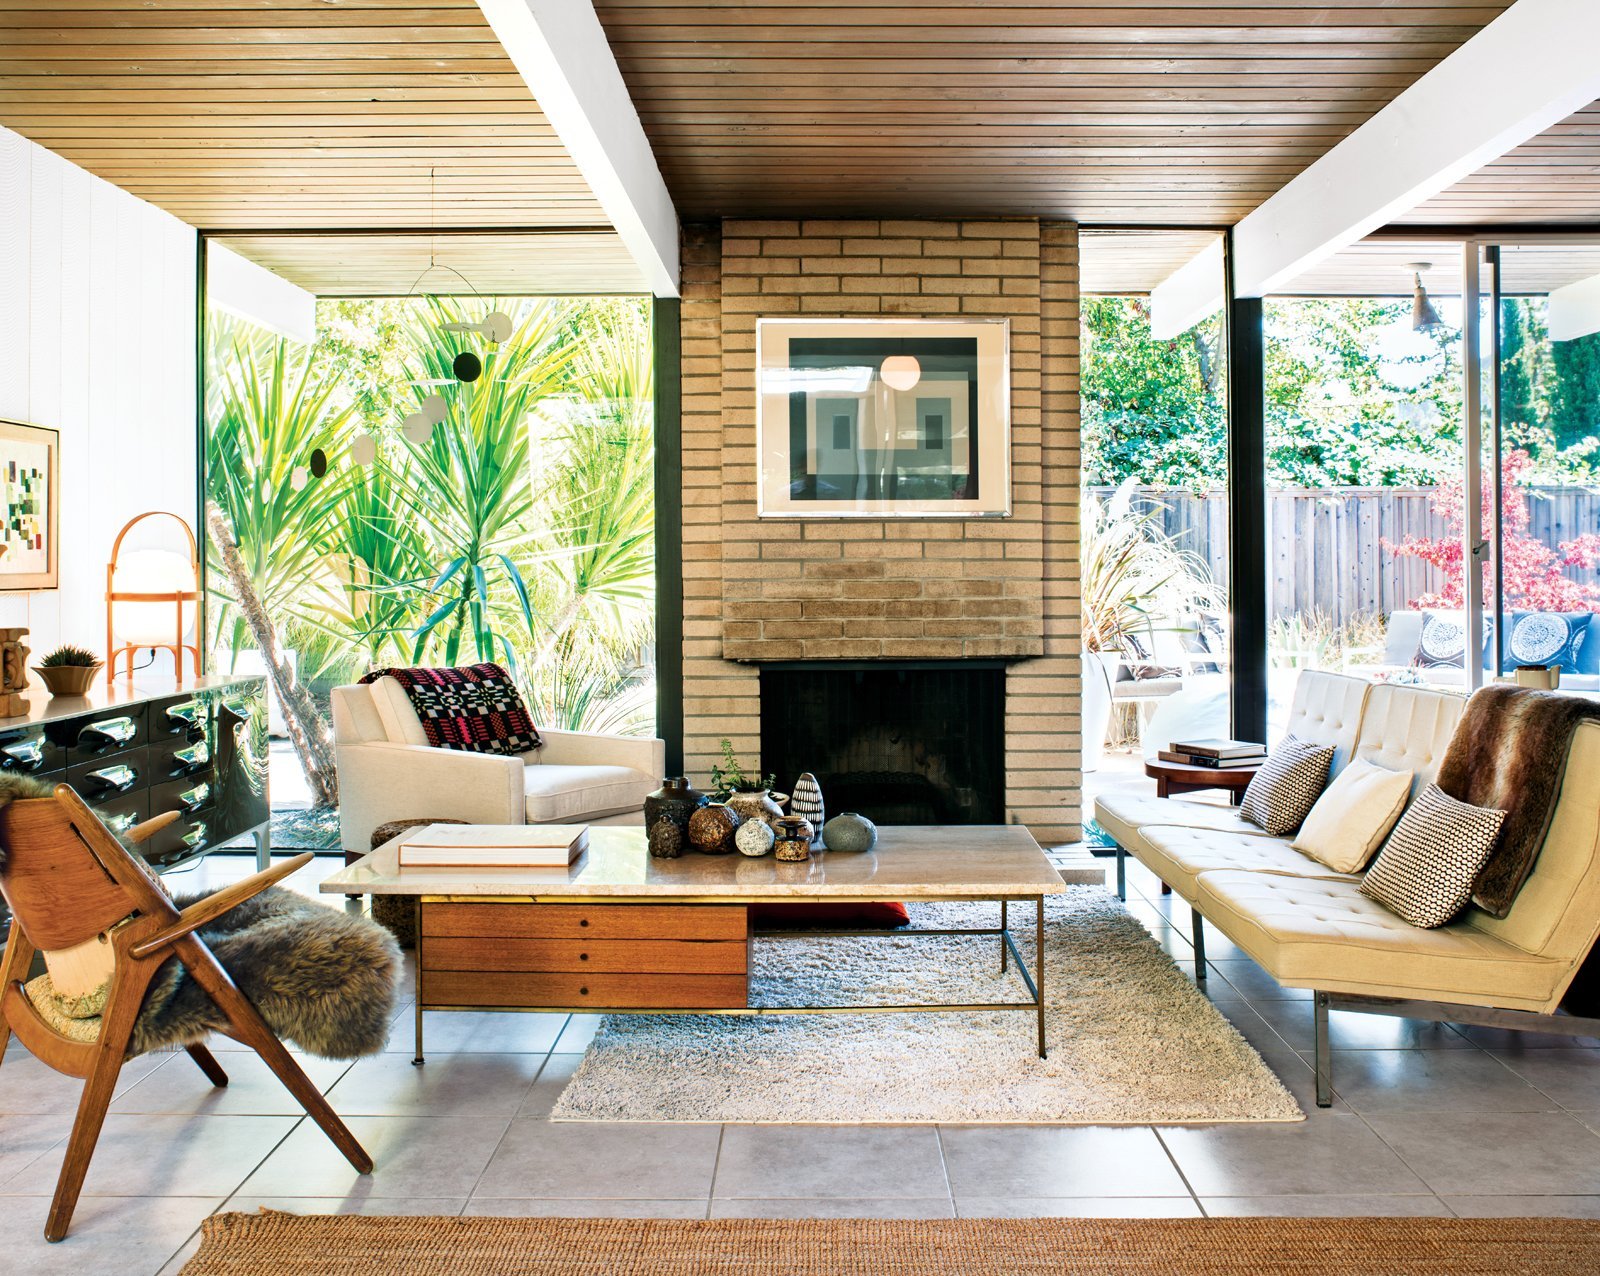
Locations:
(520, 529)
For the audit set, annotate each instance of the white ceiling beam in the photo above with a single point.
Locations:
(1189, 294)
(1530, 68)
(254, 293)
(560, 50)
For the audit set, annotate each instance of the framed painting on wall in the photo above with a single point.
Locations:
(883, 418)
(29, 485)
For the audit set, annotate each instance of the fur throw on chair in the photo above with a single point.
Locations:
(325, 979)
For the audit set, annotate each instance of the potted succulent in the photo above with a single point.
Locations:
(750, 796)
(68, 671)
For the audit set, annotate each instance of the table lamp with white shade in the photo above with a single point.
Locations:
(152, 598)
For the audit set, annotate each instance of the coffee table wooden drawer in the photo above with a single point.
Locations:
(600, 990)
(636, 956)
(583, 921)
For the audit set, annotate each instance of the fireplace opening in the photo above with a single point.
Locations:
(918, 742)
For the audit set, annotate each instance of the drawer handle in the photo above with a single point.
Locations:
(194, 757)
(120, 823)
(194, 836)
(193, 799)
(185, 716)
(583, 956)
(112, 733)
(583, 921)
(115, 779)
(25, 755)
(583, 992)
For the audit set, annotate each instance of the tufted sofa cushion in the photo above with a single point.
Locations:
(1125, 815)
(1407, 729)
(1327, 709)
(1179, 855)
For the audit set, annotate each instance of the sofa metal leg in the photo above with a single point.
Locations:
(1122, 874)
(1324, 1054)
(1199, 945)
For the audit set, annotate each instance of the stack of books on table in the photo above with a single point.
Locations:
(493, 846)
(1219, 754)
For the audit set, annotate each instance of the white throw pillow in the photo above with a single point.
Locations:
(1353, 816)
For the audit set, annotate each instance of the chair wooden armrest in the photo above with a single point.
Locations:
(141, 833)
(213, 906)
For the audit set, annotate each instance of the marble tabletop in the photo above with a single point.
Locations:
(909, 862)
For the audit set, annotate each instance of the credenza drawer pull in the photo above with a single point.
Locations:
(25, 755)
(185, 716)
(194, 757)
(114, 779)
(108, 733)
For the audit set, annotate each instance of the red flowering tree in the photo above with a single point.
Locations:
(1532, 571)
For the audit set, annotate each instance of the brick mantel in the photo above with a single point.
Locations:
(821, 589)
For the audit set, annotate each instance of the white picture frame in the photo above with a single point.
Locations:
(883, 418)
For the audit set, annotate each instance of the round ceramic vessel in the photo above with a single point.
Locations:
(755, 838)
(675, 800)
(849, 832)
(712, 829)
(756, 806)
(666, 839)
(795, 835)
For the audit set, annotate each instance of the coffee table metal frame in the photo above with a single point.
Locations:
(1008, 953)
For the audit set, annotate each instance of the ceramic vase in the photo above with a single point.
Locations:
(849, 832)
(807, 801)
(712, 829)
(761, 806)
(754, 838)
(675, 800)
(666, 839)
(794, 838)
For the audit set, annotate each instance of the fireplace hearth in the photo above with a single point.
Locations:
(916, 742)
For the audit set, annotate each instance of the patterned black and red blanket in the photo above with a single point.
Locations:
(476, 707)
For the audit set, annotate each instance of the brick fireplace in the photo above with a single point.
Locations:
(772, 592)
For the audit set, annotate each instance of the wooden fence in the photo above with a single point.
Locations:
(1325, 547)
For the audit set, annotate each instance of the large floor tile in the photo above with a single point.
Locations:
(589, 1160)
(1482, 1153)
(578, 1033)
(1326, 1206)
(569, 1207)
(1509, 1039)
(834, 1207)
(1336, 1155)
(1570, 1077)
(1076, 1207)
(24, 1139)
(999, 1160)
(447, 1085)
(830, 1161)
(1249, 980)
(1499, 1206)
(139, 1155)
(31, 1088)
(1348, 1030)
(178, 1088)
(1432, 1081)
(127, 1235)
(412, 1156)
(489, 1032)
(419, 1206)
(547, 1088)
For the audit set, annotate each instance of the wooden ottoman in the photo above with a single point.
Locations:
(398, 913)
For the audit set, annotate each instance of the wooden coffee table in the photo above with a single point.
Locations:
(623, 933)
(1173, 778)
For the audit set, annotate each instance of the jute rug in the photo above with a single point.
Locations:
(1130, 1039)
(353, 1245)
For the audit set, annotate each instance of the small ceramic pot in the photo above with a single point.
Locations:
(754, 838)
(68, 680)
(712, 829)
(666, 839)
(794, 839)
(849, 832)
(761, 806)
(675, 800)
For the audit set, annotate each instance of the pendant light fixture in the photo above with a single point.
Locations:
(1424, 318)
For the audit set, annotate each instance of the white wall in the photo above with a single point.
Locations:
(97, 337)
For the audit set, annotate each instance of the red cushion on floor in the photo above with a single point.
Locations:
(845, 915)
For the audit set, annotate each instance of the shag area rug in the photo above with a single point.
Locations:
(355, 1245)
(1130, 1039)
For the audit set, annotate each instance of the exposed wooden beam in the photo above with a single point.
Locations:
(1528, 70)
(562, 53)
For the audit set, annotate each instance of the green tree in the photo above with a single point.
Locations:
(1575, 394)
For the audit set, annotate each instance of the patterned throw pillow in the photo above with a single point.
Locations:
(1443, 644)
(1424, 873)
(476, 708)
(1281, 794)
(1547, 638)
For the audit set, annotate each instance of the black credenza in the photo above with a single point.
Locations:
(136, 751)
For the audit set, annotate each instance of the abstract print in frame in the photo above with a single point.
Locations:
(29, 457)
(883, 418)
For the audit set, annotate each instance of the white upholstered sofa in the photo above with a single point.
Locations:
(1310, 927)
(388, 771)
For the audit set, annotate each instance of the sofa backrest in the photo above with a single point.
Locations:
(1557, 912)
(1406, 728)
(378, 710)
(1327, 710)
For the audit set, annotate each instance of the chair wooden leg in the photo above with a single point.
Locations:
(208, 1064)
(13, 967)
(250, 1029)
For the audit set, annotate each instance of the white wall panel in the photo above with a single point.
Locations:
(97, 336)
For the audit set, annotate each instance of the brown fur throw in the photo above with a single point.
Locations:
(320, 977)
(1509, 751)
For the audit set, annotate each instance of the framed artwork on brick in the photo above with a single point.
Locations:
(30, 456)
(883, 418)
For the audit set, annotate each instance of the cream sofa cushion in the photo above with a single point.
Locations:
(1353, 816)
(556, 794)
(1327, 709)
(1123, 815)
(400, 721)
(1407, 729)
(1179, 855)
(1323, 933)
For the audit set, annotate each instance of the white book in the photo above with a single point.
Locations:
(493, 845)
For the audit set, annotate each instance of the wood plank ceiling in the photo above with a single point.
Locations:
(1553, 178)
(292, 114)
(1146, 111)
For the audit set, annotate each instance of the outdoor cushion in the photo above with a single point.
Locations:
(1323, 933)
(1122, 815)
(557, 794)
(1547, 638)
(1179, 855)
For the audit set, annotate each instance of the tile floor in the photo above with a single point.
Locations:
(1429, 1120)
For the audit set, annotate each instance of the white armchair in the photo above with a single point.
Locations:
(388, 771)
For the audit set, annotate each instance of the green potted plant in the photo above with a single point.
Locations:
(68, 671)
(750, 795)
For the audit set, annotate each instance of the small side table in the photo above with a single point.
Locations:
(1173, 778)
